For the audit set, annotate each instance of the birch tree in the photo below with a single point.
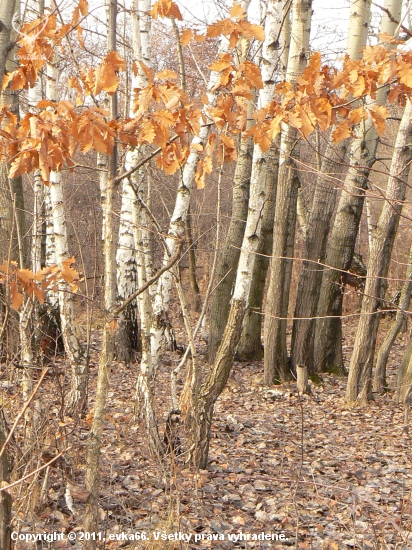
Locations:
(177, 225)
(91, 518)
(12, 227)
(77, 401)
(127, 276)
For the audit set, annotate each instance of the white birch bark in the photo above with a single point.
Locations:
(265, 168)
(77, 401)
(29, 315)
(177, 225)
(127, 337)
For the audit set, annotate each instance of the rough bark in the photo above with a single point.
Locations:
(201, 414)
(404, 375)
(303, 333)
(250, 345)
(127, 337)
(398, 325)
(6, 15)
(5, 500)
(265, 166)
(302, 350)
(342, 239)
(229, 256)
(360, 370)
(276, 362)
(12, 222)
(91, 517)
(77, 402)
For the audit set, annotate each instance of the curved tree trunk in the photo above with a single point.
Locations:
(201, 414)
(399, 324)
(360, 371)
(177, 222)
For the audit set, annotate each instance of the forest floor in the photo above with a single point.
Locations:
(297, 472)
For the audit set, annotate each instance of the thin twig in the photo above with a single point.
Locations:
(7, 487)
(21, 413)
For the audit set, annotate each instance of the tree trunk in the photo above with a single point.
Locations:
(6, 15)
(250, 346)
(360, 371)
(201, 414)
(127, 337)
(77, 402)
(302, 351)
(276, 362)
(229, 255)
(342, 239)
(177, 222)
(91, 517)
(265, 166)
(404, 375)
(323, 205)
(197, 300)
(12, 226)
(399, 324)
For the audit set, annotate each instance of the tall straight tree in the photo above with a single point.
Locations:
(73, 347)
(6, 14)
(323, 204)
(342, 238)
(91, 517)
(12, 227)
(361, 364)
(127, 279)
(138, 189)
(276, 362)
(265, 165)
(251, 164)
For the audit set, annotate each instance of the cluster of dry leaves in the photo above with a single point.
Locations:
(23, 281)
(323, 97)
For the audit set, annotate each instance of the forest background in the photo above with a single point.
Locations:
(190, 194)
